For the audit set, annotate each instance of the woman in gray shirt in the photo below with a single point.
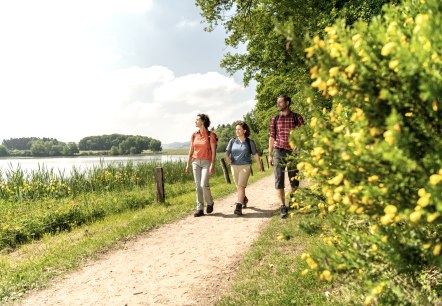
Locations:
(238, 154)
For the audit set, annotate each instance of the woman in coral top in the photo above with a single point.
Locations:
(202, 154)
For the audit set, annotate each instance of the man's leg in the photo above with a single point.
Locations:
(279, 167)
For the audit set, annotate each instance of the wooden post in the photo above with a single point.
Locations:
(159, 184)
(267, 161)
(261, 164)
(226, 173)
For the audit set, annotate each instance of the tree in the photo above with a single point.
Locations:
(3, 151)
(273, 33)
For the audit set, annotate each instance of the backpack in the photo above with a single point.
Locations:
(275, 122)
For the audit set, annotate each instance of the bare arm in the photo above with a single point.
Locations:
(189, 157)
(212, 163)
(271, 147)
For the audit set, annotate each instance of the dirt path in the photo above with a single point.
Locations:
(189, 262)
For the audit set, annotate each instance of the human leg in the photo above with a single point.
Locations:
(205, 175)
(279, 167)
(197, 171)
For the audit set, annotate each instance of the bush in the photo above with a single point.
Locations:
(372, 151)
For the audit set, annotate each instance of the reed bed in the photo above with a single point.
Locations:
(46, 201)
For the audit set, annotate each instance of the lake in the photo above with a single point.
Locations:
(65, 164)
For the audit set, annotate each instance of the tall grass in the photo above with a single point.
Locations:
(44, 201)
(17, 184)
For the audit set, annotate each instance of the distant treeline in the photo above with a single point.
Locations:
(115, 144)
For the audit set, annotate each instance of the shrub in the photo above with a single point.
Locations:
(372, 151)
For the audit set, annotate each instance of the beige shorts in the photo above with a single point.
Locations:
(241, 174)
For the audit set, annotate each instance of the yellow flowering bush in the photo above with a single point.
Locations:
(372, 149)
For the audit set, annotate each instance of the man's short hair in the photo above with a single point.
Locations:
(286, 98)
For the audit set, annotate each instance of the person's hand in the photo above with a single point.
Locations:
(212, 169)
(228, 160)
(187, 168)
(270, 160)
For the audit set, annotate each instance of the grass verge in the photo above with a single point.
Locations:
(271, 271)
(32, 265)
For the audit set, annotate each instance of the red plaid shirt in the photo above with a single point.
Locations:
(285, 124)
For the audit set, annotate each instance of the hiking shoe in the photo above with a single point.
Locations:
(209, 209)
(198, 213)
(245, 202)
(238, 209)
(284, 211)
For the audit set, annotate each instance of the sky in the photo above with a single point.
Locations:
(76, 68)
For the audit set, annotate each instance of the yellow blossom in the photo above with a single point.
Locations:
(409, 114)
(280, 237)
(388, 136)
(330, 82)
(384, 239)
(390, 209)
(304, 272)
(393, 65)
(314, 72)
(310, 51)
(436, 250)
(350, 69)
(415, 216)
(312, 264)
(373, 178)
(388, 48)
(369, 300)
(374, 248)
(304, 256)
(432, 217)
(421, 18)
(435, 179)
(336, 180)
(424, 201)
(326, 275)
(356, 37)
(339, 129)
(435, 105)
(313, 122)
(426, 246)
(387, 219)
(333, 71)
(333, 91)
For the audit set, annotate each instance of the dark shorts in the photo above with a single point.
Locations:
(281, 163)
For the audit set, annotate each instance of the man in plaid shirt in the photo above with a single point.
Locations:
(280, 149)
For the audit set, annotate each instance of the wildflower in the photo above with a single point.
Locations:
(390, 209)
(339, 129)
(350, 69)
(333, 91)
(333, 71)
(393, 65)
(432, 217)
(326, 275)
(336, 180)
(436, 250)
(435, 179)
(313, 265)
(415, 216)
(305, 272)
(388, 48)
(313, 122)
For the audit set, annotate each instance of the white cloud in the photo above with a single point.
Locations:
(70, 69)
(188, 23)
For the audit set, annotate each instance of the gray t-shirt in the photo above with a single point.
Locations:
(239, 151)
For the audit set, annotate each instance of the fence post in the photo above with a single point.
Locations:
(226, 173)
(261, 164)
(267, 161)
(159, 184)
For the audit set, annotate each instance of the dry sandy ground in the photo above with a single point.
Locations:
(189, 262)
